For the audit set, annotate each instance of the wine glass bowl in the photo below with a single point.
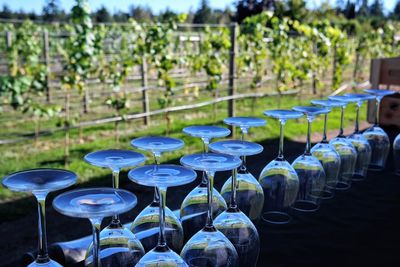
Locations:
(308, 168)
(193, 211)
(40, 182)
(345, 149)
(278, 179)
(95, 204)
(326, 153)
(146, 224)
(358, 140)
(209, 247)
(162, 177)
(396, 155)
(376, 136)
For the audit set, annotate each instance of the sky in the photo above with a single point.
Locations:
(155, 5)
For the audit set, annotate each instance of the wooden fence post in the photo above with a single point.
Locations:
(232, 69)
(8, 44)
(46, 56)
(334, 64)
(145, 96)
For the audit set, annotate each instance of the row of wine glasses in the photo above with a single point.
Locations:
(326, 167)
(232, 238)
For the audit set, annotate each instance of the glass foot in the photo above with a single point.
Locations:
(357, 177)
(276, 217)
(326, 194)
(305, 206)
(375, 168)
(50, 263)
(342, 186)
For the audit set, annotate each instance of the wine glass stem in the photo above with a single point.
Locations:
(115, 181)
(234, 184)
(308, 144)
(341, 121)
(43, 256)
(96, 223)
(377, 102)
(156, 198)
(324, 137)
(280, 153)
(356, 129)
(210, 184)
(206, 142)
(161, 238)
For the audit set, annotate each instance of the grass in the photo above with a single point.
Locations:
(50, 150)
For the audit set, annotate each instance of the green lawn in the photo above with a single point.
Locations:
(50, 150)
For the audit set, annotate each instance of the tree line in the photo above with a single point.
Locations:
(360, 10)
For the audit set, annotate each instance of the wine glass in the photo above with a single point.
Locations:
(193, 212)
(40, 182)
(209, 247)
(278, 179)
(346, 150)
(359, 141)
(162, 177)
(326, 153)
(309, 170)
(249, 192)
(146, 224)
(95, 204)
(396, 155)
(118, 245)
(376, 136)
(233, 223)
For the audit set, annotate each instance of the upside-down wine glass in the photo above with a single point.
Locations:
(249, 193)
(233, 223)
(358, 140)
(347, 152)
(309, 170)
(376, 136)
(118, 245)
(40, 182)
(326, 153)
(209, 247)
(95, 204)
(146, 224)
(278, 178)
(396, 155)
(162, 177)
(193, 212)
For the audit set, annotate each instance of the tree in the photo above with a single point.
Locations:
(396, 11)
(363, 11)
(350, 10)
(245, 8)
(141, 14)
(203, 14)
(296, 9)
(6, 12)
(51, 11)
(376, 9)
(102, 15)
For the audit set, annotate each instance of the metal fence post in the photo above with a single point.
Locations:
(46, 56)
(232, 68)
(145, 96)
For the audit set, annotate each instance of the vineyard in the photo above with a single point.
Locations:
(57, 77)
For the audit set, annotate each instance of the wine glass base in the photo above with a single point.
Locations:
(276, 217)
(50, 263)
(375, 168)
(305, 206)
(397, 173)
(358, 178)
(326, 194)
(342, 186)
